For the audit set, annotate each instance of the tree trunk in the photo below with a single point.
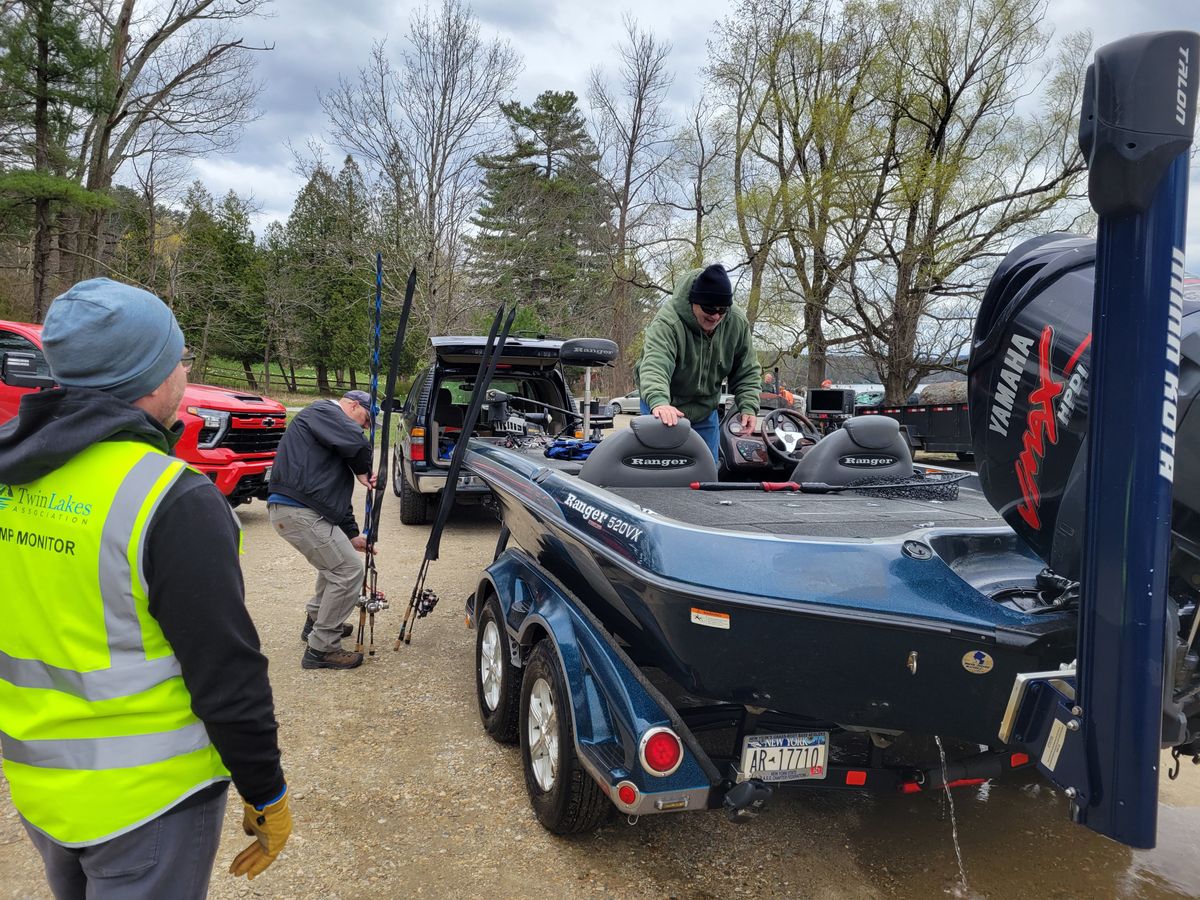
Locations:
(323, 379)
(41, 159)
(814, 338)
(203, 360)
(249, 375)
(99, 178)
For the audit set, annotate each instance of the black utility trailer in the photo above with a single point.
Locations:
(932, 427)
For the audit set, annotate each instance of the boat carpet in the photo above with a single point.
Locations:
(839, 516)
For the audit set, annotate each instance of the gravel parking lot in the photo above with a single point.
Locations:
(398, 792)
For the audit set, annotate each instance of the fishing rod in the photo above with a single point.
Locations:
(423, 600)
(371, 600)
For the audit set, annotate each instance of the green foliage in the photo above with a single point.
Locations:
(542, 224)
(68, 79)
(24, 187)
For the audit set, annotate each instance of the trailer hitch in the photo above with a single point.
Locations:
(747, 800)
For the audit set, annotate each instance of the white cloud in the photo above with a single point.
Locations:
(561, 41)
(270, 188)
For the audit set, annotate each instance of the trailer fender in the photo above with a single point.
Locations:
(612, 704)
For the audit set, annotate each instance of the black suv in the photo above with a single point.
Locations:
(432, 415)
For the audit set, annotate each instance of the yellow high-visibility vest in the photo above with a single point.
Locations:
(96, 725)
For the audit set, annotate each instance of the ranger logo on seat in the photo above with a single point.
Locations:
(867, 460)
(658, 461)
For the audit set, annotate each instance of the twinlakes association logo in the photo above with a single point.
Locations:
(43, 503)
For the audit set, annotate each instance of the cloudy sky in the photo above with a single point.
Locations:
(561, 41)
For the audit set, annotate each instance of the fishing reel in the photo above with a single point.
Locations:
(426, 602)
(372, 600)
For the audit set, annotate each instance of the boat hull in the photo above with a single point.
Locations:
(918, 649)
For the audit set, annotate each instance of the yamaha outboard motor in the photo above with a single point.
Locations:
(1028, 380)
(1069, 334)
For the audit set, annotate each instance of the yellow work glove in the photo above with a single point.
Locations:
(271, 826)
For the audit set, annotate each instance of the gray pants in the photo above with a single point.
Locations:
(171, 856)
(339, 569)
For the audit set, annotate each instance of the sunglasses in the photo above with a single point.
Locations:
(715, 310)
(187, 360)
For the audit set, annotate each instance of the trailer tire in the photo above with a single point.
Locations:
(565, 798)
(492, 656)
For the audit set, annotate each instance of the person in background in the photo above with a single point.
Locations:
(697, 340)
(132, 686)
(309, 498)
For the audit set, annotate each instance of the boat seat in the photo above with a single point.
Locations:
(864, 447)
(650, 454)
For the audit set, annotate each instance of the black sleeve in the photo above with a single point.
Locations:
(195, 589)
(334, 429)
(349, 524)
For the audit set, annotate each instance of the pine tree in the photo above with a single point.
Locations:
(542, 224)
(49, 75)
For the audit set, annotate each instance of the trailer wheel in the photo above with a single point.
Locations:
(564, 797)
(497, 689)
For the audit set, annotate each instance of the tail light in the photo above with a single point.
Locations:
(661, 751)
(627, 793)
(416, 445)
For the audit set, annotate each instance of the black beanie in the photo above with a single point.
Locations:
(712, 288)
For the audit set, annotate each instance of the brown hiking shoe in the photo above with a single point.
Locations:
(347, 629)
(330, 659)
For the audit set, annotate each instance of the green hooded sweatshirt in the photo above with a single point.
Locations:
(682, 366)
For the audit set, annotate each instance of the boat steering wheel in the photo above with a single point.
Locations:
(788, 435)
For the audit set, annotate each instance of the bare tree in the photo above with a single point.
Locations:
(159, 175)
(696, 189)
(423, 124)
(833, 146)
(739, 71)
(971, 171)
(633, 137)
(179, 83)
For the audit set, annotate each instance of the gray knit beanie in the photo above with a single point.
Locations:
(111, 337)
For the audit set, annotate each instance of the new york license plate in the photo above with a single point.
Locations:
(784, 757)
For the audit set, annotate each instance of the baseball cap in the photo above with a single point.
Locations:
(363, 399)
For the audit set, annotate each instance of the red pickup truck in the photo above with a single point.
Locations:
(229, 435)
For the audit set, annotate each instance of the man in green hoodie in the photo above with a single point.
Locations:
(698, 340)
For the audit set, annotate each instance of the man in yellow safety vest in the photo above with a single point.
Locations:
(132, 686)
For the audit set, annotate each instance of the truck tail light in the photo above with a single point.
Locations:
(416, 445)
